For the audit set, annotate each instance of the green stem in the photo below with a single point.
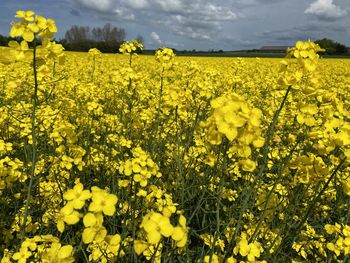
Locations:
(34, 143)
(83, 251)
(219, 197)
(294, 231)
(155, 252)
(93, 68)
(160, 95)
(247, 193)
(270, 194)
(270, 133)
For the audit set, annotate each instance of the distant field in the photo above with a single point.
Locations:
(237, 54)
(229, 54)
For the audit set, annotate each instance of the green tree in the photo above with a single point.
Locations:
(332, 47)
(81, 38)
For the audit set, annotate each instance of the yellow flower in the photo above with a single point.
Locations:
(242, 247)
(249, 250)
(333, 247)
(25, 15)
(178, 233)
(20, 50)
(165, 55)
(140, 246)
(156, 225)
(233, 118)
(94, 230)
(48, 25)
(231, 260)
(22, 255)
(94, 52)
(28, 35)
(30, 243)
(247, 165)
(154, 251)
(209, 241)
(103, 202)
(254, 252)
(214, 259)
(58, 253)
(77, 196)
(113, 243)
(130, 47)
(96, 233)
(31, 26)
(67, 215)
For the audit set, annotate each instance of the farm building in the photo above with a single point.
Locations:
(273, 49)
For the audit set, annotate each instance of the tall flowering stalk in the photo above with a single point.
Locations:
(165, 56)
(94, 53)
(130, 48)
(33, 28)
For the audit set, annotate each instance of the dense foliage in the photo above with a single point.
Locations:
(125, 158)
(107, 38)
(332, 47)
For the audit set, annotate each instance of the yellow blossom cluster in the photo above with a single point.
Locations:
(249, 250)
(155, 227)
(234, 119)
(94, 52)
(47, 248)
(130, 47)
(165, 55)
(341, 242)
(140, 168)
(298, 70)
(31, 24)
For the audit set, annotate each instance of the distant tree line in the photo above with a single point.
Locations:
(81, 38)
(109, 38)
(4, 40)
(332, 47)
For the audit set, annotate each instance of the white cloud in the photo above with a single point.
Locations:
(101, 5)
(112, 8)
(325, 10)
(198, 9)
(124, 14)
(195, 19)
(159, 42)
(156, 38)
(170, 5)
(136, 4)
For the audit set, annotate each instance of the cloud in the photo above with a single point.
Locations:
(74, 12)
(136, 4)
(100, 6)
(156, 38)
(195, 19)
(269, 1)
(250, 3)
(110, 8)
(159, 42)
(325, 10)
(311, 31)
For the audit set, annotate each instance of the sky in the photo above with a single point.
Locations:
(198, 24)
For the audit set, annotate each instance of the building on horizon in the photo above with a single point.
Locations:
(274, 49)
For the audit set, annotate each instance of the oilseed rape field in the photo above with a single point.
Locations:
(131, 158)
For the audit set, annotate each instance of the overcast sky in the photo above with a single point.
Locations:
(198, 24)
